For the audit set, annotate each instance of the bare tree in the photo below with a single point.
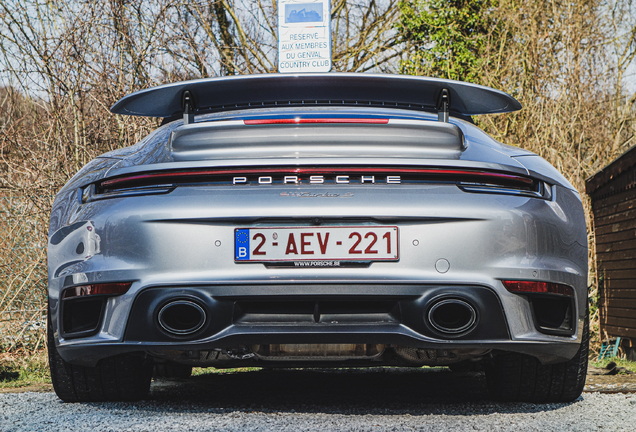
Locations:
(63, 64)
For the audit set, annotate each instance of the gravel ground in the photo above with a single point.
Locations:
(380, 399)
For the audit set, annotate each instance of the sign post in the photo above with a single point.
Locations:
(304, 36)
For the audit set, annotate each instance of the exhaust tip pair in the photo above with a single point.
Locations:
(449, 316)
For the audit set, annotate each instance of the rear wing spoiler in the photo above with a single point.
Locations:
(335, 89)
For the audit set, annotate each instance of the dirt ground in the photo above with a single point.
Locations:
(610, 384)
(32, 388)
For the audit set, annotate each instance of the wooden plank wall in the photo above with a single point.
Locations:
(615, 229)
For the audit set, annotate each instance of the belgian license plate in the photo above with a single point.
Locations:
(333, 243)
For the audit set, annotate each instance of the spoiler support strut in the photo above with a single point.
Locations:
(443, 105)
(188, 107)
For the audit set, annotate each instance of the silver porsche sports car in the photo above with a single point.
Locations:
(318, 220)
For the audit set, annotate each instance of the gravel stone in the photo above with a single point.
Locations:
(308, 400)
(45, 412)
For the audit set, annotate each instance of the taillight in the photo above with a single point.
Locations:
(159, 178)
(522, 287)
(116, 288)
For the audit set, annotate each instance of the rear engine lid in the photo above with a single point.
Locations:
(316, 137)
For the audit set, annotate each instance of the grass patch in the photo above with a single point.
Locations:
(375, 369)
(18, 371)
(631, 365)
(204, 371)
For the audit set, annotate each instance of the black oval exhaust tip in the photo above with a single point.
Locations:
(181, 317)
(452, 316)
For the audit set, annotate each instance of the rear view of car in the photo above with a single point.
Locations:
(325, 220)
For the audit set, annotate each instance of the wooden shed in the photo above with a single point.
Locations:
(613, 194)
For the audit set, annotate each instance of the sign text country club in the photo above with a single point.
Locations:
(304, 35)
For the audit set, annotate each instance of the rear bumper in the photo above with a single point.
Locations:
(257, 314)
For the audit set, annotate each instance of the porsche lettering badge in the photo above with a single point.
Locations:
(317, 179)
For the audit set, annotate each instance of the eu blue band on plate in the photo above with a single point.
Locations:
(241, 244)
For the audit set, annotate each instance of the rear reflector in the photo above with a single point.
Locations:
(315, 120)
(96, 289)
(538, 287)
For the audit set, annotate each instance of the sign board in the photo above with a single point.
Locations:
(304, 36)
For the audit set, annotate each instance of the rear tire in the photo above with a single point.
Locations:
(171, 370)
(522, 378)
(121, 378)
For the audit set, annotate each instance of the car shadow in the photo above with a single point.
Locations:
(386, 391)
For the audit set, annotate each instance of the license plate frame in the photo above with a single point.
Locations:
(336, 243)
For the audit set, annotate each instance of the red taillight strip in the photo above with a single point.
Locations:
(96, 289)
(538, 287)
(315, 120)
(426, 171)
